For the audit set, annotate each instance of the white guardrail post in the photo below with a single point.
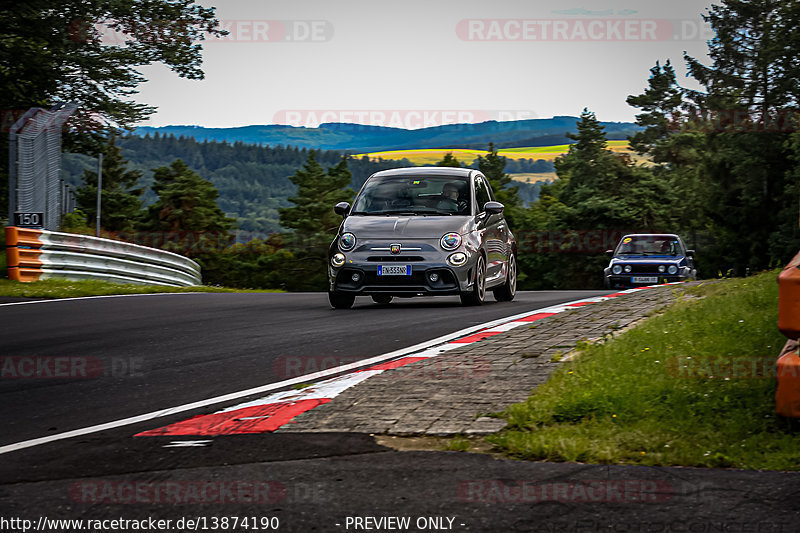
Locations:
(35, 254)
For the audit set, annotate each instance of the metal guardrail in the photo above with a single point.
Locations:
(35, 254)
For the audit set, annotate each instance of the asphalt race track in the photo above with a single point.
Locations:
(121, 357)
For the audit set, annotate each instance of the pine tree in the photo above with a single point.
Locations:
(186, 202)
(317, 192)
(660, 102)
(449, 160)
(120, 207)
(745, 161)
(493, 167)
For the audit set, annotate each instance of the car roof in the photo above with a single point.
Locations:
(670, 235)
(427, 171)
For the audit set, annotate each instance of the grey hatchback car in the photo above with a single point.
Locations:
(422, 231)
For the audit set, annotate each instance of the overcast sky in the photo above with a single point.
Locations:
(423, 63)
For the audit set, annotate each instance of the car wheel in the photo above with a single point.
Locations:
(508, 290)
(341, 300)
(382, 299)
(476, 295)
(606, 283)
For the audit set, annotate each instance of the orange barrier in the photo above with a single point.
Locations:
(787, 397)
(22, 254)
(789, 299)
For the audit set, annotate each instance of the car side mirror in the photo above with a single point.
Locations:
(609, 252)
(690, 253)
(493, 208)
(341, 208)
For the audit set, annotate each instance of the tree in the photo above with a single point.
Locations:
(493, 167)
(317, 192)
(660, 102)
(89, 53)
(313, 218)
(121, 206)
(751, 88)
(449, 160)
(186, 202)
(754, 56)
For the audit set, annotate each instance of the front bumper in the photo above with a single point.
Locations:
(625, 281)
(450, 280)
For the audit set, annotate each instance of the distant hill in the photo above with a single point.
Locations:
(357, 138)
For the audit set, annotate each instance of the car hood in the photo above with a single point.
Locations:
(648, 259)
(413, 227)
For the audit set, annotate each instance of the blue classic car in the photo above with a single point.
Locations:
(649, 259)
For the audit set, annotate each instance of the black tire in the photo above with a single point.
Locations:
(508, 290)
(341, 300)
(477, 294)
(382, 299)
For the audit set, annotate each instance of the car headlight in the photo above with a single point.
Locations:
(672, 269)
(457, 259)
(616, 269)
(451, 241)
(662, 268)
(337, 260)
(347, 242)
(627, 268)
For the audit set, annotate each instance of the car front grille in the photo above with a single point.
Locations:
(645, 269)
(395, 258)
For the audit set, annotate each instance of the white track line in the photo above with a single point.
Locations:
(53, 300)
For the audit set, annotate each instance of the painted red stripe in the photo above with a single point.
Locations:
(475, 337)
(395, 364)
(579, 304)
(614, 295)
(534, 318)
(256, 419)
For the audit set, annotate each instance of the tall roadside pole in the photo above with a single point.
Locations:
(99, 191)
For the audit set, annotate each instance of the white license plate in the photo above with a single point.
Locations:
(394, 270)
(645, 279)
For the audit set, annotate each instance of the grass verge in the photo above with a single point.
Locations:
(694, 386)
(53, 288)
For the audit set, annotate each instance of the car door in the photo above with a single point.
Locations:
(494, 229)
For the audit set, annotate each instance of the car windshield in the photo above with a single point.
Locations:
(409, 195)
(649, 245)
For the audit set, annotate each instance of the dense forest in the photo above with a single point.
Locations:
(252, 180)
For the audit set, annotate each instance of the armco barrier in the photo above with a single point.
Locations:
(35, 254)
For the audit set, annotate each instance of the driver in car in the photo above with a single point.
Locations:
(450, 199)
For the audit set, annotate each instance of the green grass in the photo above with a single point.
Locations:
(629, 401)
(53, 288)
